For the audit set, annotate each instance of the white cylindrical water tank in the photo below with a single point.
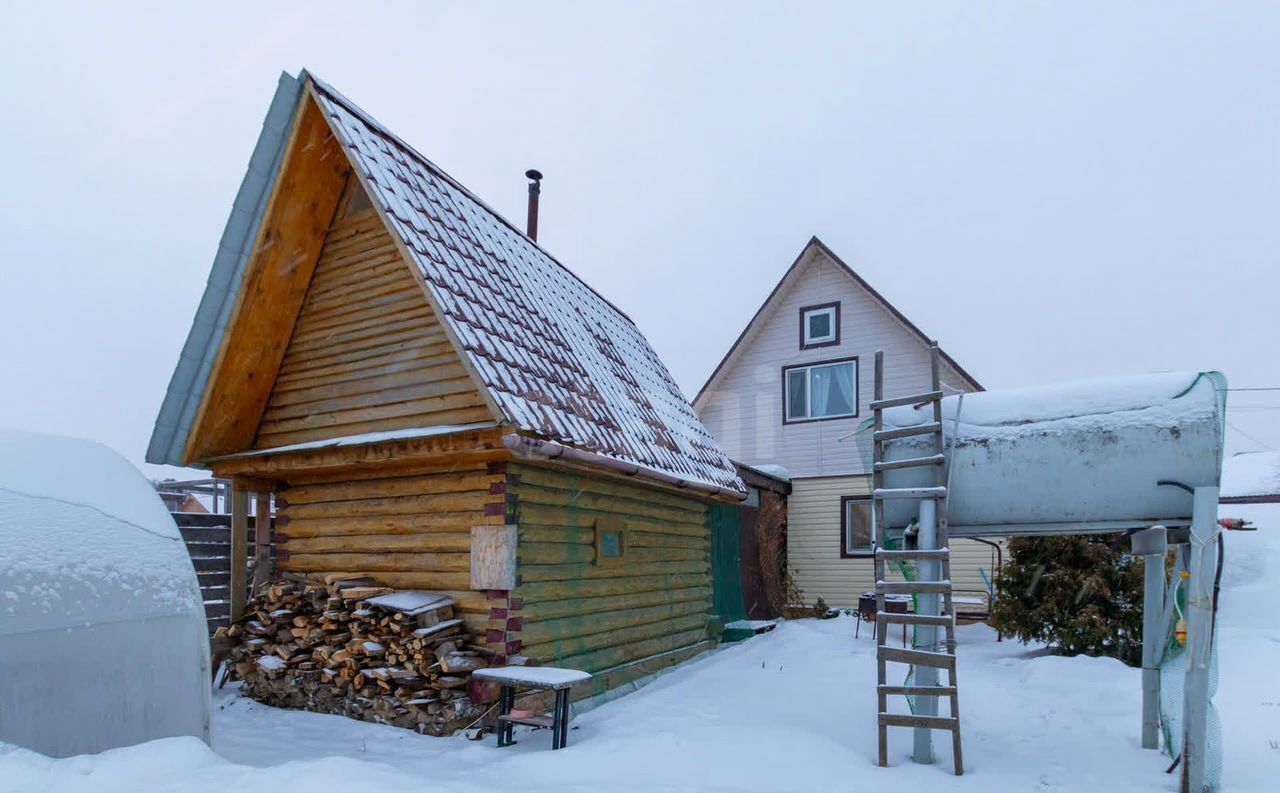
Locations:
(103, 638)
(1087, 452)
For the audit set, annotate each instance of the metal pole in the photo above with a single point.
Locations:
(927, 636)
(1195, 707)
(1151, 544)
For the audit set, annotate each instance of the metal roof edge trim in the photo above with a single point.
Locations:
(190, 376)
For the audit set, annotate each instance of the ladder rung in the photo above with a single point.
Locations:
(918, 691)
(913, 587)
(937, 555)
(910, 462)
(886, 493)
(913, 399)
(914, 619)
(906, 432)
(917, 657)
(931, 722)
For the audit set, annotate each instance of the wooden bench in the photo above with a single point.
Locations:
(533, 678)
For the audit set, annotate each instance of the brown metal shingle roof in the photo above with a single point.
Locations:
(558, 359)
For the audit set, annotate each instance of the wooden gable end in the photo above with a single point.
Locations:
(332, 332)
(300, 211)
(367, 353)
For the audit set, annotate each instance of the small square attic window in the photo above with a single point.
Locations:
(820, 325)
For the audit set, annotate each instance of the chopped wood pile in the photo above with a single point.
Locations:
(351, 647)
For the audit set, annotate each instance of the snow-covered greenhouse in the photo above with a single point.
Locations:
(102, 633)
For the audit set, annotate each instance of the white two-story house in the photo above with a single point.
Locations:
(793, 390)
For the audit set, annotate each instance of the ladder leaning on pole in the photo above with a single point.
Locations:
(932, 654)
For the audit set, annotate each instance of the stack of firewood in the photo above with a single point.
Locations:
(351, 647)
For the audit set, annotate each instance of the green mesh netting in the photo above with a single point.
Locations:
(909, 571)
(1173, 675)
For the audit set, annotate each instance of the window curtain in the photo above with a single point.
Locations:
(832, 390)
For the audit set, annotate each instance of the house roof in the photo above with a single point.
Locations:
(555, 358)
(1251, 476)
(796, 266)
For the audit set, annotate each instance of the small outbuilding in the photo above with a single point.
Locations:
(432, 400)
(102, 631)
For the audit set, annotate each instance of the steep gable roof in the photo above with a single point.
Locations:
(815, 244)
(555, 359)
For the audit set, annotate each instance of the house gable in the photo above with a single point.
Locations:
(557, 365)
(742, 402)
(298, 215)
(368, 353)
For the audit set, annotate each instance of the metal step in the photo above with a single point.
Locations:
(901, 655)
(531, 721)
(913, 587)
(931, 722)
(941, 621)
(906, 432)
(886, 493)
(890, 555)
(918, 691)
(910, 462)
(912, 399)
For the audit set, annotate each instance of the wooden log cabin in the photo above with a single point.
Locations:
(435, 401)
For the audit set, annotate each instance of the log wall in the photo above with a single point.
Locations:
(367, 353)
(409, 529)
(594, 616)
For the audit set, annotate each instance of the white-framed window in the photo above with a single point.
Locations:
(819, 391)
(819, 325)
(857, 529)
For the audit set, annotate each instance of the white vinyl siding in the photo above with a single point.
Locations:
(744, 407)
(813, 547)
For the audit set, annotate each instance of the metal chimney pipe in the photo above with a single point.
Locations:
(535, 187)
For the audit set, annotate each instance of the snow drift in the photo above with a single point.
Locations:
(103, 640)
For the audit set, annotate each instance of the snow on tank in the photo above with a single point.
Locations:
(1090, 452)
(103, 639)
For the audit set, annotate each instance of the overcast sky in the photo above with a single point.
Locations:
(1054, 191)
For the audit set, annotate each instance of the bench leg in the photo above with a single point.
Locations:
(506, 701)
(560, 718)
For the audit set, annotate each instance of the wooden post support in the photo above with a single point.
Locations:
(239, 551)
(262, 539)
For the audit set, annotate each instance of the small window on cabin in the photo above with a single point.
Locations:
(611, 541)
(820, 325)
(857, 530)
(818, 391)
(357, 200)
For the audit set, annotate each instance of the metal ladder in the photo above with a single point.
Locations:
(941, 655)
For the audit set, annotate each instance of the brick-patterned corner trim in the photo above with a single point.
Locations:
(505, 623)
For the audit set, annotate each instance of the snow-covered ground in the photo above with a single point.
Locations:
(789, 710)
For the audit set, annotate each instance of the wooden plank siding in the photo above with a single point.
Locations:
(594, 616)
(367, 352)
(407, 529)
(813, 547)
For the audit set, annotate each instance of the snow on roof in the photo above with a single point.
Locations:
(86, 538)
(367, 437)
(1251, 474)
(558, 359)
